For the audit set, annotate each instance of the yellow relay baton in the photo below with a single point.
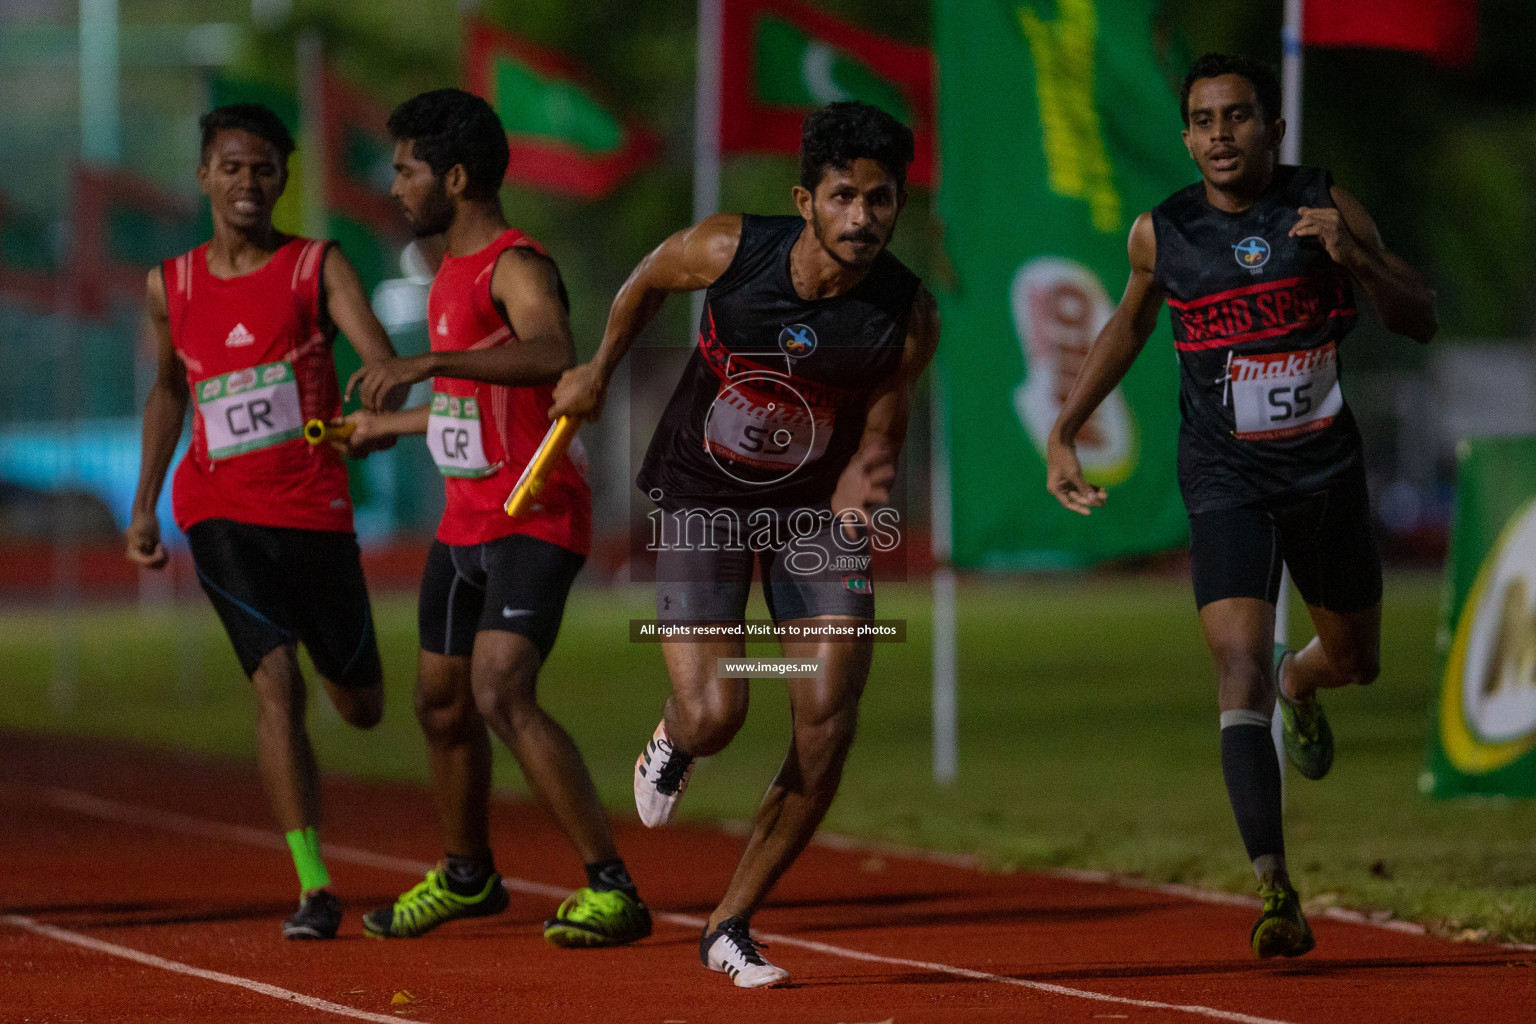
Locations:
(550, 452)
(316, 431)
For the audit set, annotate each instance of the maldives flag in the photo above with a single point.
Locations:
(780, 59)
(359, 157)
(1445, 30)
(563, 137)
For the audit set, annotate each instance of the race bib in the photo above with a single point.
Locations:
(766, 430)
(1285, 393)
(454, 438)
(248, 410)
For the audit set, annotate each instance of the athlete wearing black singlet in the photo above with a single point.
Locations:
(1258, 264)
(1270, 459)
(767, 415)
(761, 344)
(778, 445)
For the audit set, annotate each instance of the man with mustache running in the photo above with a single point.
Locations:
(787, 421)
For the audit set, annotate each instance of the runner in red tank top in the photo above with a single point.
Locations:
(244, 325)
(495, 587)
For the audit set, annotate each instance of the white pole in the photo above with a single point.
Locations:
(945, 673)
(1290, 153)
(310, 54)
(706, 123)
(1290, 82)
(101, 129)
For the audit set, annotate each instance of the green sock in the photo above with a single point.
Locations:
(306, 858)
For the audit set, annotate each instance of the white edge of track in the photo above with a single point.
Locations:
(177, 967)
(112, 810)
(171, 821)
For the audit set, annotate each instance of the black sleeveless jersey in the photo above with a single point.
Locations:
(771, 405)
(1257, 319)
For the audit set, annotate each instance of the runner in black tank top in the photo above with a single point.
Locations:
(1258, 316)
(788, 420)
(1258, 264)
(815, 361)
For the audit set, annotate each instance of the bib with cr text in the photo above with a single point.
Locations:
(251, 409)
(454, 437)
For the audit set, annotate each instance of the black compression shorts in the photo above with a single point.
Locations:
(274, 585)
(816, 576)
(1324, 538)
(515, 584)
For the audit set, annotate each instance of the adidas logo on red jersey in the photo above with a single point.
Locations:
(240, 337)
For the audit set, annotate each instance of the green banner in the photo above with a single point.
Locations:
(1058, 125)
(1483, 738)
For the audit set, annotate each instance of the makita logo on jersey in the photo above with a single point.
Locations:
(239, 337)
(1284, 364)
(1260, 311)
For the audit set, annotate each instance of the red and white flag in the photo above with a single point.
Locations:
(1444, 30)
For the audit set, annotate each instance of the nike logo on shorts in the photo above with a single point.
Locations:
(513, 613)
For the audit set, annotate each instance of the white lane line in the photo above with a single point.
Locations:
(177, 967)
(134, 814)
(1369, 919)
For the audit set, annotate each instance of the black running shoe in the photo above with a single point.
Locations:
(318, 917)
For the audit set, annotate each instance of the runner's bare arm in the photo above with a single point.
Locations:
(350, 311)
(164, 411)
(1401, 294)
(1108, 361)
(687, 261)
(372, 430)
(526, 287)
(866, 482)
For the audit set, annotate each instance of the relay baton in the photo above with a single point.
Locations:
(551, 450)
(316, 431)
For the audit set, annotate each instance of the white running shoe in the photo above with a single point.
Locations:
(661, 776)
(729, 949)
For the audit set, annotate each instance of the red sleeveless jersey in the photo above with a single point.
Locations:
(258, 365)
(482, 435)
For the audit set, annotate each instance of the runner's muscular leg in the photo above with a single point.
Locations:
(704, 712)
(825, 715)
(504, 674)
(458, 752)
(283, 751)
(1345, 652)
(360, 706)
(1240, 634)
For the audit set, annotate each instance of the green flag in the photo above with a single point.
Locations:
(562, 136)
(781, 59)
(1484, 735)
(1058, 125)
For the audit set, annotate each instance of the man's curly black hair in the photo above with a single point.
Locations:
(839, 133)
(247, 117)
(450, 126)
(1214, 65)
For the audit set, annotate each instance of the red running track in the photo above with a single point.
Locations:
(147, 886)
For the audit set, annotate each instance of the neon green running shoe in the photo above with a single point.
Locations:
(431, 903)
(1303, 729)
(1281, 930)
(592, 918)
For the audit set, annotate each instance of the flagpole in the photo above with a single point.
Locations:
(310, 57)
(706, 122)
(1290, 153)
(940, 525)
(1290, 82)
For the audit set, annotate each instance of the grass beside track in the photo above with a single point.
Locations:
(1088, 738)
